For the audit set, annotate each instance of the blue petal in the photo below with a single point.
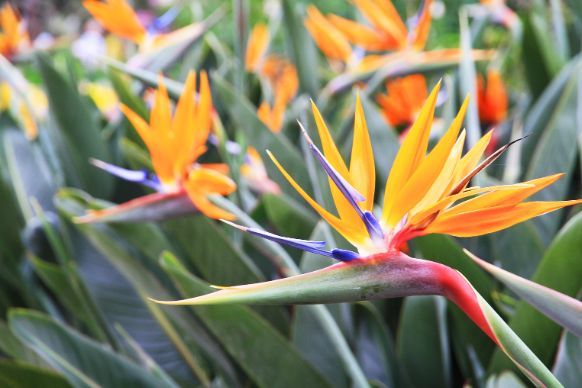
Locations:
(344, 254)
(373, 226)
(231, 146)
(138, 176)
(305, 245)
(349, 192)
(163, 22)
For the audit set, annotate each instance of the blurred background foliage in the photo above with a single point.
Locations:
(73, 297)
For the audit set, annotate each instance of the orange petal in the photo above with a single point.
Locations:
(183, 126)
(506, 197)
(420, 33)
(210, 181)
(141, 126)
(333, 156)
(328, 38)
(420, 217)
(411, 153)
(430, 180)
(384, 17)
(117, 17)
(353, 235)
(362, 168)
(208, 208)
(484, 221)
(256, 47)
(472, 157)
(358, 34)
(492, 98)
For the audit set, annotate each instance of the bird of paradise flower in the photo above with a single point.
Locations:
(175, 144)
(359, 50)
(425, 193)
(119, 18)
(14, 37)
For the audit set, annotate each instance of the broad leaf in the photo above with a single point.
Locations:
(268, 358)
(563, 309)
(561, 270)
(81, 360)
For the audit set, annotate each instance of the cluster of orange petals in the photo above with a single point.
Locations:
(280, 74)
(13, 36)
(403, 100)
(386, 31)
(175, 142)
(425, 192)
(492, 98)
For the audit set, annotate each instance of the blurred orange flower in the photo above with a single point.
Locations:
(13, 36)
(117, 17)
(403, 100)
(279, 73)
(386, 31)
(175, 143)
(492, 98)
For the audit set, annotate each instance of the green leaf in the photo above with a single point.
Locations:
(210, 250)
(289, 217)
(561, 270)
(521, 259)
(289, 268)
(126, 96)
(301, 48)
(547, 107)
(78, 134)
(121, 277)
(16, 374)
(539, 52)
(556, 152)
(261, 351)
(58, 281)
(422, 342)
(319, 350)
(28, 173)
(15, 349)
(522, 357)
(468, 82)
(568, 361)
(562, 309)
(81, 360)
(505, 380)
(375, 347)
(147, 77)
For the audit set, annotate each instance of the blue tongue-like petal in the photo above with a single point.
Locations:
(305, 245)
(352, 195)
(139, 176)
